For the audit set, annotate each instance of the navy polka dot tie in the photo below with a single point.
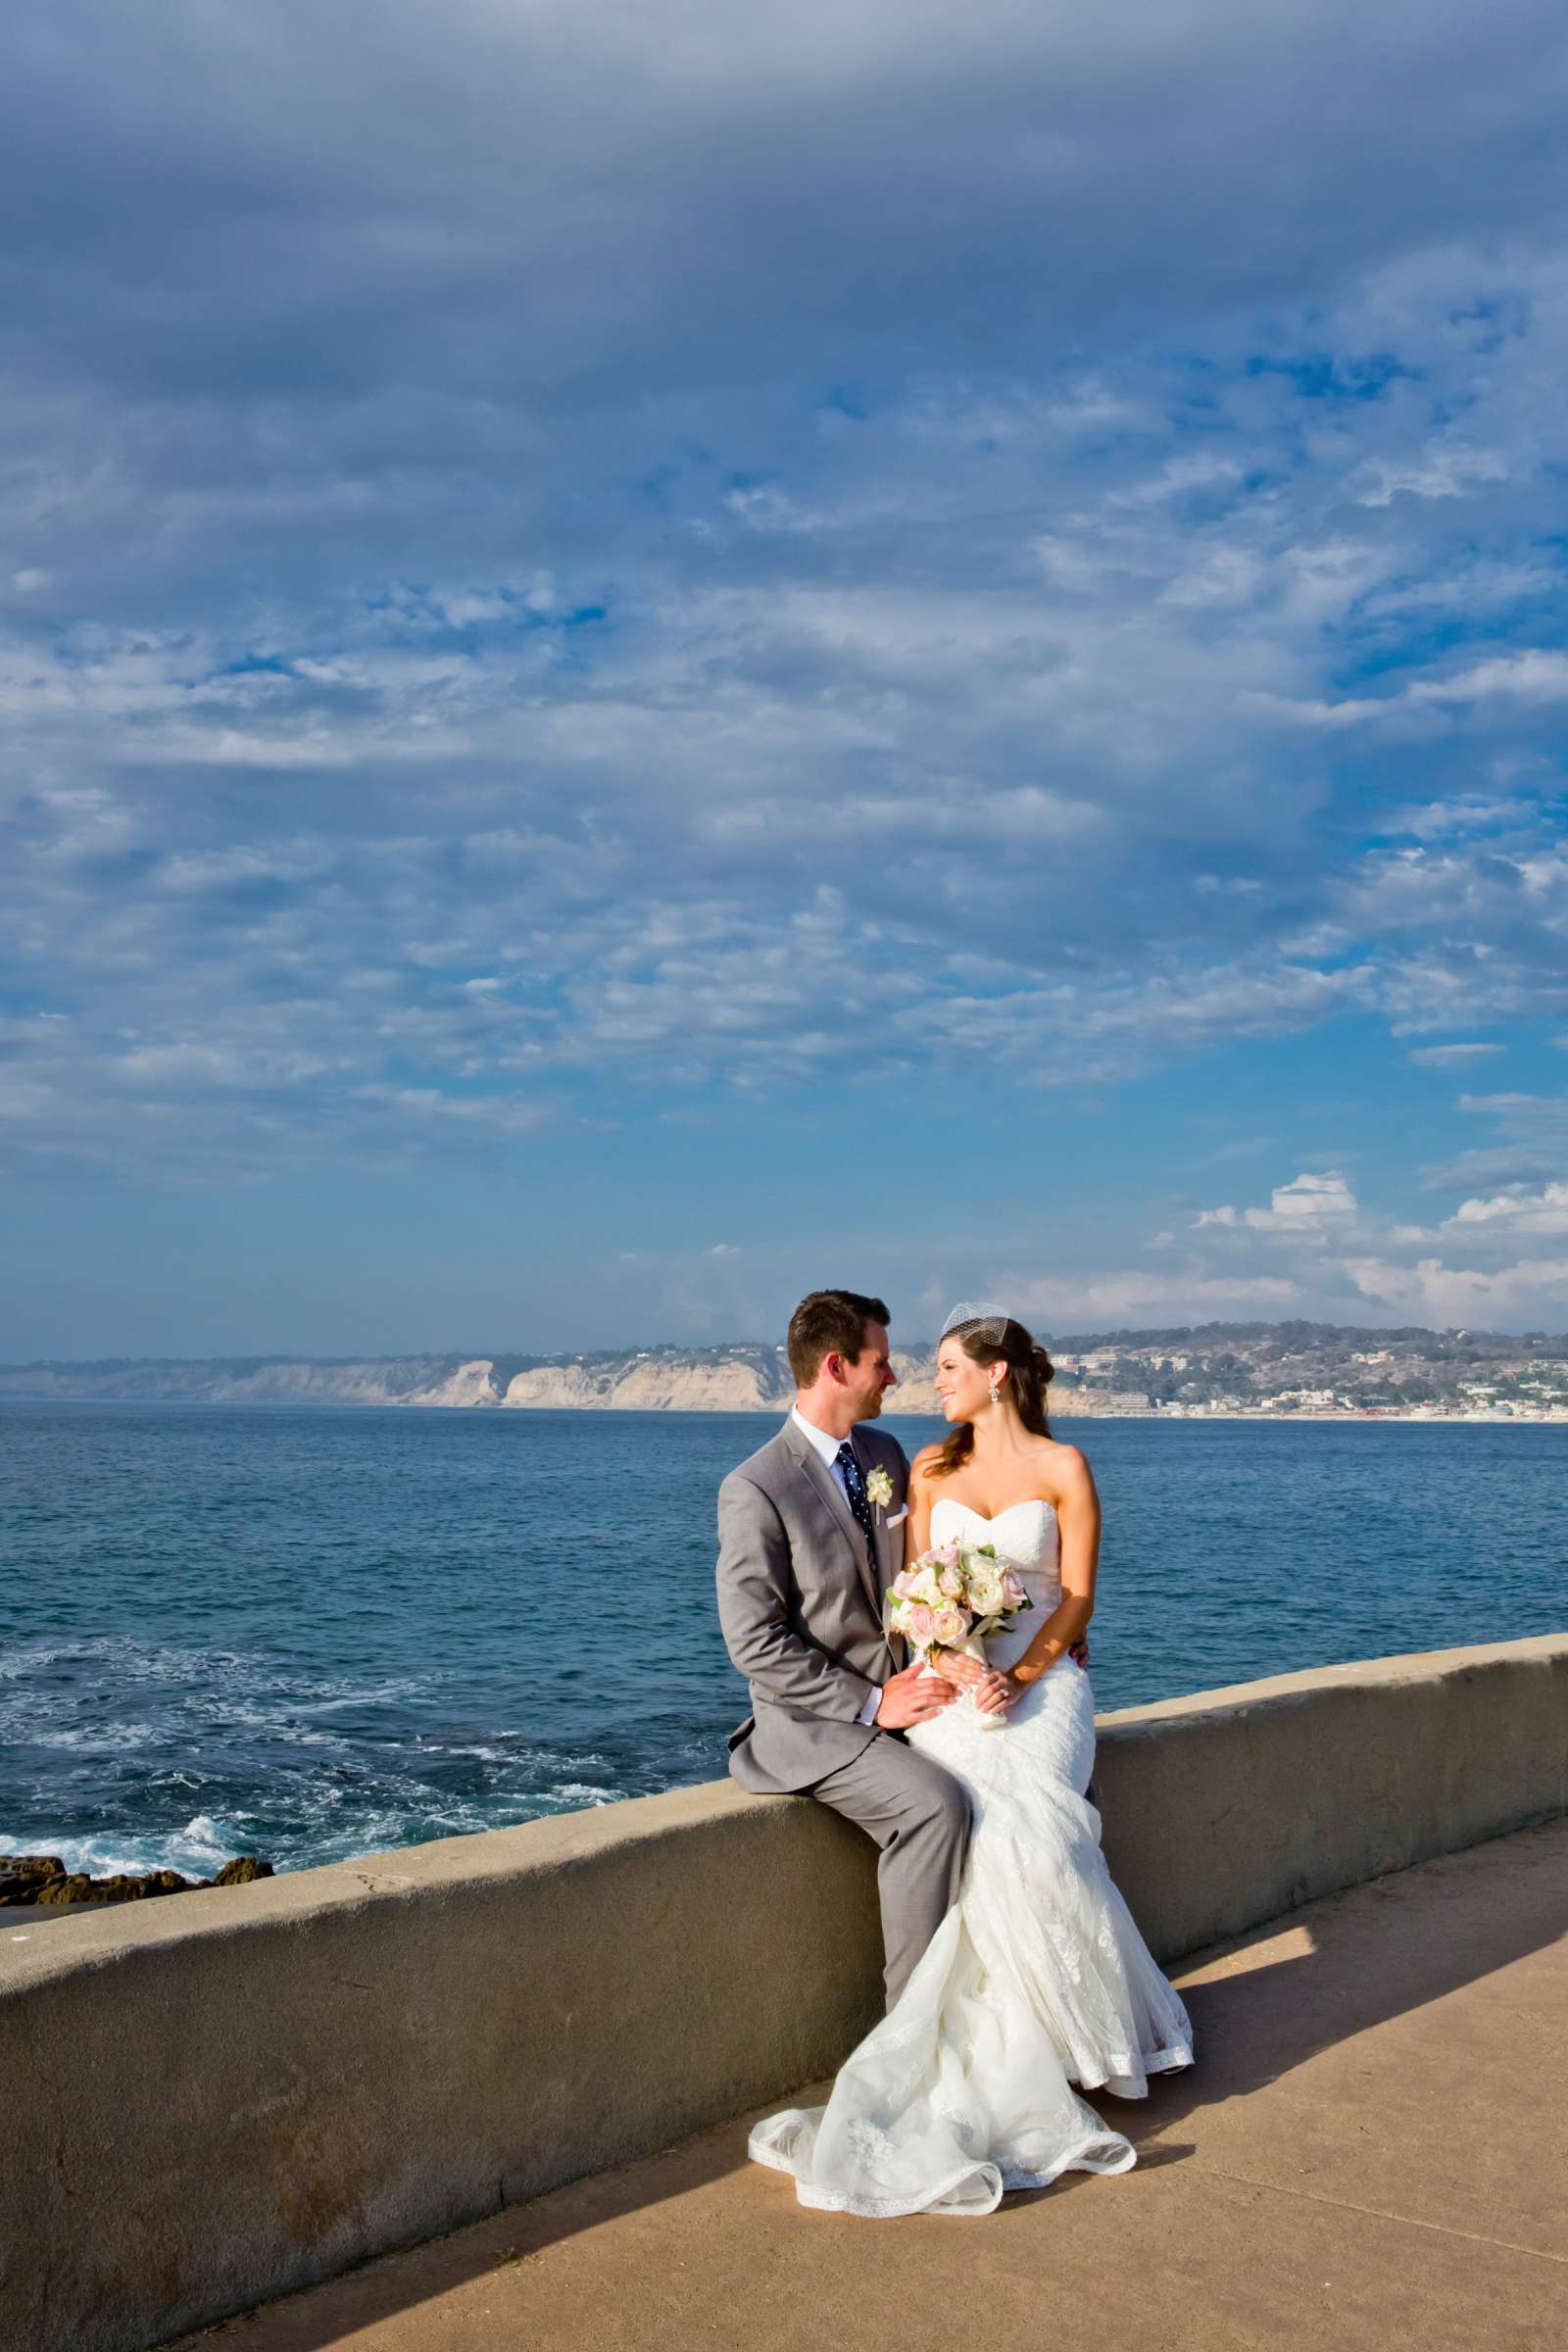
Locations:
(854, 1486)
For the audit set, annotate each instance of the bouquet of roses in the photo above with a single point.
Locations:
(951, 1598)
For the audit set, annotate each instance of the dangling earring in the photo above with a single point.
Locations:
(996, 1392)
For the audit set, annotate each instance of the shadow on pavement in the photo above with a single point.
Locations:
(1373, 1952)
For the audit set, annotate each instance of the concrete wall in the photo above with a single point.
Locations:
(215, 2097)
(1223, 1809)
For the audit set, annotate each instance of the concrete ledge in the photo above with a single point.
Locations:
(1229, 1807)
(241, 2091)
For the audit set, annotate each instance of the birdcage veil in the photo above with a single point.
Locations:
(980, 1318)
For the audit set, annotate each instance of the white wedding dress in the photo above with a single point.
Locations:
(1037, 1979)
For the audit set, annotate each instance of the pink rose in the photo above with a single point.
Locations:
(1015, 1590)
(922, 1623)
(947, 1554)
(951, 1626)
(903, 1583)
(950, 1581)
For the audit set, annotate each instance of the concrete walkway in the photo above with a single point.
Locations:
(1371, 2150)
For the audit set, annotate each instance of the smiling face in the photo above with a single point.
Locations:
(964, 1386)
(868, 1379)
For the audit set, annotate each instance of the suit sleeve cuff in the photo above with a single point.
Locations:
(867, 1713)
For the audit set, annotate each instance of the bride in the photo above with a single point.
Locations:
(1037, 1979)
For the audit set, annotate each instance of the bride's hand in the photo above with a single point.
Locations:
(955, 1666)
(994, 1693)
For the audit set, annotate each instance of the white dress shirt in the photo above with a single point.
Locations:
(826, 1449)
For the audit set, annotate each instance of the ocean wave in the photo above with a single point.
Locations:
(196, 1852)
(321, 1824)
(127, 1660)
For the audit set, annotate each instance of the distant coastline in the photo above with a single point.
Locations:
(1230, 1372)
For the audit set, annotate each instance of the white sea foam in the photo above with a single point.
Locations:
(95, 1739)
(196, 1852)
(275, 1723)
(99, 1857)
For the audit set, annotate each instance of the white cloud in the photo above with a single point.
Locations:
(1444, 471)
(1433, 1293)
(1450, 1058)
(1520, 1209)
(1310, 1207)
(1307, 1202)
(1533, 675)
(1480, 1264)
(1133, 1298)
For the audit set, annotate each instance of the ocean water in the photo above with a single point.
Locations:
(311, 1634)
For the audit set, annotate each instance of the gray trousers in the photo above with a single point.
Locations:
(919, 1817)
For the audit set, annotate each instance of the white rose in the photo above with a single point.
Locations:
(986, 1595)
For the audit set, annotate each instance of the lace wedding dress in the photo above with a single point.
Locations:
(1037, 1979)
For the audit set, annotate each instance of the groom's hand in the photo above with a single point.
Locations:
(1079, 1652)
(912, 1697)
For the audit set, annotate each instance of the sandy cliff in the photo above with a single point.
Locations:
(472, 1383)
(728, 1382)
(654, 1384)
(268, 1380)
(664, 1380)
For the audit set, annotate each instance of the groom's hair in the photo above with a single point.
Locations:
(830, 1323)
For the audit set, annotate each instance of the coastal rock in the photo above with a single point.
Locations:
(241, 1871)
(22, 1876)
(31, 1879)
(123, 1888)
(75, 1887)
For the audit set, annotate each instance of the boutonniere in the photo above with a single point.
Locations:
(879, 1489)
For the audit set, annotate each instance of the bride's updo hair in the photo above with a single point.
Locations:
(1029, 1373)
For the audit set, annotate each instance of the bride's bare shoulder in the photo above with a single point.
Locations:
(1065, 1466)
(925, 1461)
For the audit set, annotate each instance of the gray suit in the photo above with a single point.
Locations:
(802, 1612)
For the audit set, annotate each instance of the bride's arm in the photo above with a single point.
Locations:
(1078, 1524)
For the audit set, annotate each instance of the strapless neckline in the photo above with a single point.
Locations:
(1025, 1535)
(1029, 1502)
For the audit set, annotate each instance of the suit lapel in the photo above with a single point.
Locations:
(886, 1541)
(812, 1466)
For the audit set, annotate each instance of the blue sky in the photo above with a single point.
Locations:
(657, 654)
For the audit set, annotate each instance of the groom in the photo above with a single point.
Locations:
(809, 1540)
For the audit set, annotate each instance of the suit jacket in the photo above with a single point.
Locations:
(802, 1606)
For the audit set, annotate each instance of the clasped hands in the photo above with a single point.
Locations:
(918, 1693)
(993, 1690)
